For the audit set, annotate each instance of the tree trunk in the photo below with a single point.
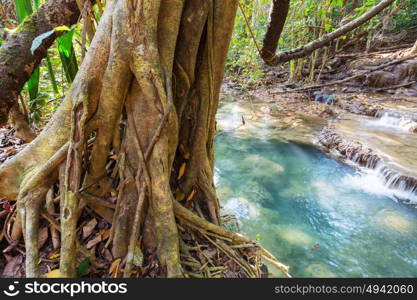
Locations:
(125, 131)
(277, 17)
(17, 63)
(328, 38)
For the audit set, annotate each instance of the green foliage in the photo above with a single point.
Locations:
(243, 58)
(307, 20)
(37, 41)
(36, 106)
(33, 85)
(36, 4)
(407, 17)
(23, 9)
(67, 54)
(51, 74)
(83, 267)
(42, 93)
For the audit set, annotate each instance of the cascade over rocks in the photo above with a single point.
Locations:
(354, 152)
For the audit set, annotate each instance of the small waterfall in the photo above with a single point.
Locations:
(384, 182)
(401, 187)
(396, 120)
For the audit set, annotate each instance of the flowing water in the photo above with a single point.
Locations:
(322, 218)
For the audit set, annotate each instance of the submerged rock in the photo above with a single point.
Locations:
(263, 168)
(395, 221)
(319, 271)
(325, 193)
(257, 192)
(294, 188)
(241, 208)
(295, 236)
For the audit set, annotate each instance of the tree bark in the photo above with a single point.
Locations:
(17, 63)
(328, 38)
(277, 17)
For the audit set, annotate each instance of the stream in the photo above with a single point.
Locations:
(320, 217)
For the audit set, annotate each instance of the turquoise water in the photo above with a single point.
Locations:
(292, 197)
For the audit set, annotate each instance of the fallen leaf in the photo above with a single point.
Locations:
(191, 196)
(53, 256)
(7, 206)
(179, 195)
(13, 267)
(89, 227)
(53, 274)
(11, 246)
(10, 150)
(94, 241)
(181, 171)
(315, 246)
(107, 254)
(114, 267)
(105, 234)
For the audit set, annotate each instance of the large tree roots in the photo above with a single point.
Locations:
(132, 145)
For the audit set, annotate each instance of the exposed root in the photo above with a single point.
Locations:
(221, 232)
(50, 207)
(29, 207)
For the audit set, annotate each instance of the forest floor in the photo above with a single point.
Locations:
(361, 95)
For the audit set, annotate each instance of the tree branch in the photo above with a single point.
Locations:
(328, 38)
(17, 63)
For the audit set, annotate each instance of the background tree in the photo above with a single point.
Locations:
(17, 62)
(327, 38)
(277, 17)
